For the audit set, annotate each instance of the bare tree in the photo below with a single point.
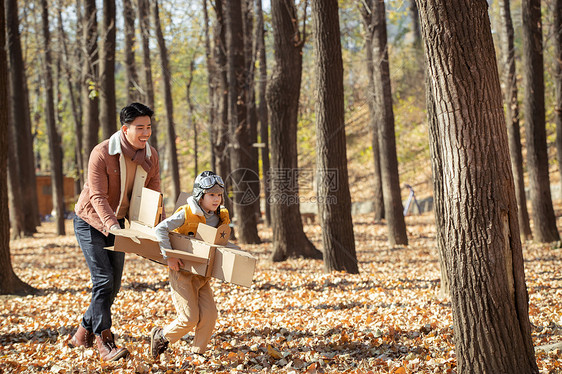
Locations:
(9, 281)
(21, 122)
(108, 110)
(55, 147)
(167, 77)
(242, 177)
(558, 81)
(535, 127)
(131, 78)
(512, 116)
(211, 83)
(481, 235)
(283, 91)
(334, 205)
(385, 125)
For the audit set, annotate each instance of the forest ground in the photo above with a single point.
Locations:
(295, 318)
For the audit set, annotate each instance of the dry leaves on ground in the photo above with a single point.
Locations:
(294, 319)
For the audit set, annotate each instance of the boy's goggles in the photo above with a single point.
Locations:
(210, 181)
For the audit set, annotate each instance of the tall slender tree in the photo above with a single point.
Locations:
(283, 91)
(167, 86)
(144, 24)
(20, 120)
(55, 146)
(557, 24)
(366, 9)
(9, 281)
(131, 77)
(385, 126)
(211, 83)
(90, 96)
(262, 109)
(481, 235)
(512, 116)
(242, 177)
(108, 111)
(334, 199)
(535, 127)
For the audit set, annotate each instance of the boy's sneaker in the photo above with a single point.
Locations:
(158, 342)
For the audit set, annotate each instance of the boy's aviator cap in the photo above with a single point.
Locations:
(207, 182)
(215, 189)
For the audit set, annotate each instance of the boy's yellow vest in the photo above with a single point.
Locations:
(192, 220)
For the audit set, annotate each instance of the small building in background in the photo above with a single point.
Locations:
(45, 198)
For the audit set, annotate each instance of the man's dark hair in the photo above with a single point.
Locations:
(132, 111)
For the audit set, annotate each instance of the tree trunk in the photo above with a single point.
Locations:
(415, 24)
(387, 142)
(512, 117)
(90, 100)
(71, 97)
(190, 122)
(481, 233)
(242, 177)
(9, 281)
(167, 77)
(108, 110)
(282, 96)
(211, 85)
(558, 82)
(131, 78)
(535, 128)
(366, 10)
(262, 109)
(55, 147)
(144, 23)
(21, 121)
(334, 199)
(14, 188)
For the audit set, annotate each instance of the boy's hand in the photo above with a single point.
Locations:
(174, 263)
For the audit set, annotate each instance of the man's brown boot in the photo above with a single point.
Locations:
(107, 348)
(82, 338)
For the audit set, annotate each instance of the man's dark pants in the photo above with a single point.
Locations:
(106, 269)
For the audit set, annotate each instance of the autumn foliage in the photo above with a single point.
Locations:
(294, 318)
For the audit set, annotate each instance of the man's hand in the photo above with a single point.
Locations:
(174, 263)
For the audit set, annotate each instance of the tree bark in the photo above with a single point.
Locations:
(334, 199)
(283, 91)
(167, 77)
(242, 177)
(90, 97)
(144, 23)
(21, 121)
(131, 78)
(481, 234)
(415, 24)
(512, 117)
(55, 147)
(366, 10)
(108, 110)
(262, 109)
(190, 122)
(9, 281)
(212, 83)
(558, 82)
(385, 124)
(535, 128)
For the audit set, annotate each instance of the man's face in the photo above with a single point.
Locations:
(210, 201)
(138, 131)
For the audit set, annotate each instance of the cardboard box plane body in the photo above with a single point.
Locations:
(208, 254)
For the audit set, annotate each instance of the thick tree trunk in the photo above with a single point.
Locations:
(282, 96)
(131, 78)
(242, 177)
(481, 234)
(55, 147)
(167, 78)
(385, 124)
(262, 109)
(14, 188)
(21, 120)
(144, 23)
(9, 282)
(512, 117)
(334, 199)
(108, 111)
(90, 100)
(558, 82)
(366, 10)
(535, 128)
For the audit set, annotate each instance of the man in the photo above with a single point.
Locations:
(113, 166)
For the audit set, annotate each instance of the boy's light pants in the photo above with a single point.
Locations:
(195, 306)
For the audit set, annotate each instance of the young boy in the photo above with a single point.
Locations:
(191, 293)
